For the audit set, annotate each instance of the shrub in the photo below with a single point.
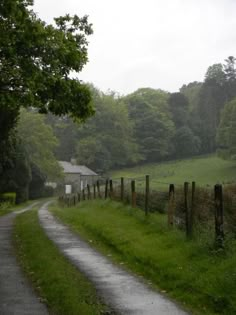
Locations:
(9, 197)
(4, 205)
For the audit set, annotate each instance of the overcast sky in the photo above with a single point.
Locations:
(150, 43)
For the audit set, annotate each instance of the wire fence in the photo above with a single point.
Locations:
(187, 206)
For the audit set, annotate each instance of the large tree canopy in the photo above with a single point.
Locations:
(36, 61)
(153, 127)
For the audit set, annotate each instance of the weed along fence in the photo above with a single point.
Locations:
(193, 209)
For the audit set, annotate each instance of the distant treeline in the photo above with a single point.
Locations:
(148, 125)
(153, 125)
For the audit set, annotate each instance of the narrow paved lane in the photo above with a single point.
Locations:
(122, 291)
(16, 295)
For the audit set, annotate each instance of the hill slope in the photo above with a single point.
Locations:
(207, 170)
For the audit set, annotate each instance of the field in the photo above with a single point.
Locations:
(204, 171)
(192, 272)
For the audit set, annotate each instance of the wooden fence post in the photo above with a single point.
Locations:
(133, 194)
(83, 195)
(171, 205)
(111, 189)
(192, 212)
(98, 189)
(219, 216)
(147, 193)
(122, 189)
(106, 189)
(89, 193)
(187, 210)
(94, 191)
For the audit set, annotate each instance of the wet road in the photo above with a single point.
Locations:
(124, 293)
(16, 295)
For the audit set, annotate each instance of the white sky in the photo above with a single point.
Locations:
(152, 43)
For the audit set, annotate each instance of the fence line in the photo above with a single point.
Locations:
(184, 205)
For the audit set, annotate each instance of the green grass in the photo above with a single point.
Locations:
(60, 285)
(6, 208)
(190, 272)
(208, 170)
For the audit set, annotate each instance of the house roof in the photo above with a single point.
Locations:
(76, 169)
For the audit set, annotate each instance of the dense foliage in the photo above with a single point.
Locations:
(226, 136)
(151, 125)
(148, 125)
(39, 143)
(36, 61)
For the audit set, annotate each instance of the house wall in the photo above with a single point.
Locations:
(88, 180)
(74, 180)
(79, 182)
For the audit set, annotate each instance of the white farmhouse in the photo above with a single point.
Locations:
(77, 177)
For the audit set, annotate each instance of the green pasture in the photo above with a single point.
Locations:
(204, 171)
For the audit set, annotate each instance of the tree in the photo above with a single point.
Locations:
(153, 127)
(216, 73)
(66, 131)
(185, 143)
(230, 74)
(39, 143)
(35, 65)
(37, 59)
(37, 183)
(16, 177)
(226, 135)
(107, 139)
(191, 92)
(179, 108)
(212, 98)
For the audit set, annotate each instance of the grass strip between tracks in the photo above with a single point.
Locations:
(61, 286)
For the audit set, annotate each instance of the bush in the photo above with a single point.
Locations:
(4, 205)
(9, 197)
(48, 191)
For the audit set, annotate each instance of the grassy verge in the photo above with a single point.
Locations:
(6, 208)
(59, 284)
(208, 170)
(188, 271)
